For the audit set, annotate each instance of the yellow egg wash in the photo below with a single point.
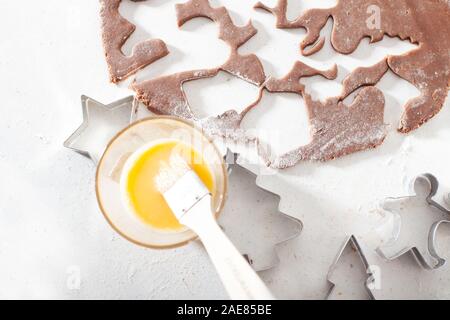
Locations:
(142, 194)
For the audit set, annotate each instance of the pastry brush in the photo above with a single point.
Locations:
(190, 201)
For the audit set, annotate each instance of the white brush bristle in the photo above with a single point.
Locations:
(170, 172)
(180, 186)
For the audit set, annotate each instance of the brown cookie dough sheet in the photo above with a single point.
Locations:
(336, 129)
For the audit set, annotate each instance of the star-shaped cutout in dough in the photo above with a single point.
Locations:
(100, 124)
(417, 219)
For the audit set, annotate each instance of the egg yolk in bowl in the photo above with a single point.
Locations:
(138, 182)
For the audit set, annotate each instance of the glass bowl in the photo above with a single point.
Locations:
(111, 165)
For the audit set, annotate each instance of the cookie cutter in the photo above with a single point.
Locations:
(260, 252)
(424, 226)
(258, 245)
(100, 123)
(340, 274)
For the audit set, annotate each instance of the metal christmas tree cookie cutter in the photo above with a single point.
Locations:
(276, 227)
(338, 281)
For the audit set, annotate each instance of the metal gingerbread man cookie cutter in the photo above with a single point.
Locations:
(418, 219)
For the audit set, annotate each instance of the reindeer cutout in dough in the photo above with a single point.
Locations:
(423, 22)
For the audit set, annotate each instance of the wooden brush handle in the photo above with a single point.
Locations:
(239, 279)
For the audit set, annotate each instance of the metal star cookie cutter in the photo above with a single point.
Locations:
(342, 272)
(100, 123)
(259, 207)
(414, 231)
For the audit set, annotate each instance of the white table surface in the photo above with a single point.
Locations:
(50, 226)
